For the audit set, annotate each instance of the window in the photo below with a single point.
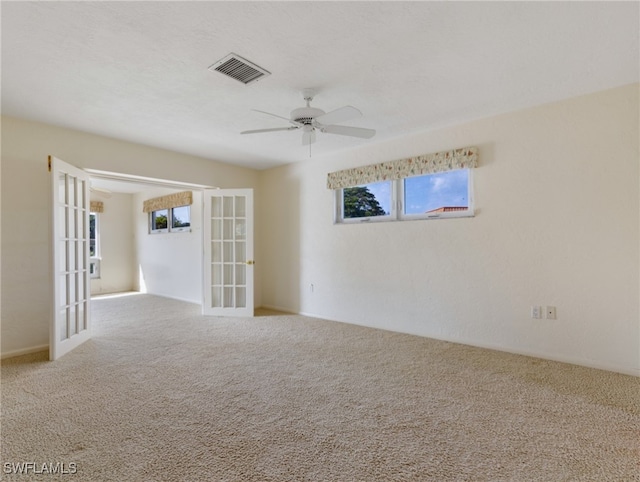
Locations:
(367, 201)
(180, 218)
(159, 221)
(440, 195)
(444, 194)
(94, 246)
(170, 220)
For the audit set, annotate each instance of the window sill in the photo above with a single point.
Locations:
(417, 217)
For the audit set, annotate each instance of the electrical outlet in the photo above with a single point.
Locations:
(551, 312)
(536, 312)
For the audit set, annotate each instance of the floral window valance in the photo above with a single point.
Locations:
(166, 202)
(96, 206)
(413, 166)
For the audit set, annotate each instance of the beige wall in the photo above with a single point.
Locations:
(116, 245)
(26, 259)
(558, 211)
(556, 198)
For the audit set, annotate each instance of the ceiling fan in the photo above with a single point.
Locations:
(311, 119)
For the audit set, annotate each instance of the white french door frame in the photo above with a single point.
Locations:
(228, 267)
(70, 324)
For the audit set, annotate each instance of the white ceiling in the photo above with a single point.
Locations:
(139, 70)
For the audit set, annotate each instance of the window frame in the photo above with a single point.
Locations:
(170, 216)
(152, 217)
(94, 261)
(339, 213)
(179, 229)
(466, 213)
(397, 204)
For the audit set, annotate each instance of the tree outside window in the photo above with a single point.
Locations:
(360, 202)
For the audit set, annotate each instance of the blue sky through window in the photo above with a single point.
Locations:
(428, 192)
(382, 192)
(433, 191)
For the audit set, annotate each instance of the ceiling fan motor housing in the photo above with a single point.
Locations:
(305, 115)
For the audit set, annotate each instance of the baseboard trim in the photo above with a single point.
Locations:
(544, 356)
(552, 357)
(24, 351)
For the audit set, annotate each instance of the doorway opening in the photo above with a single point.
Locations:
(134, 258)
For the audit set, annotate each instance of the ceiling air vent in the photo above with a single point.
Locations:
(240, 69)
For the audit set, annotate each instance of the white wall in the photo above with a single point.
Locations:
(116, 242)
(169, 264)
(557, 217)
(26, 211)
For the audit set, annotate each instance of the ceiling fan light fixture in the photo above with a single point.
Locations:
(305, 115)
(310, 119)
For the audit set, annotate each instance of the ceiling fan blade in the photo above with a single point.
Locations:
(349, 131)
(297, 124)
(308, 138)
(339, 115)
(274, 129)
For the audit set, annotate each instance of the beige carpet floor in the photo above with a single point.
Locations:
(163, 394)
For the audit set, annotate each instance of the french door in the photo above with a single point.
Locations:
(70, 323)
(228, 252)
